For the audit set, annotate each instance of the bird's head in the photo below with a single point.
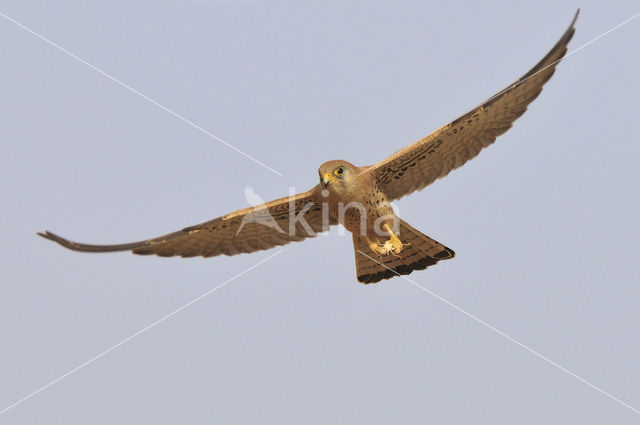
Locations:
(338, 176)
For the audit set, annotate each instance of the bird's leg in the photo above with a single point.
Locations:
(375, 246)
(392, 246)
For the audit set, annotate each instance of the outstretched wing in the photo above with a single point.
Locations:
(449, 147)
(278, 222)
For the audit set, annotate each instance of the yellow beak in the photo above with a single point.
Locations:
(327, 178)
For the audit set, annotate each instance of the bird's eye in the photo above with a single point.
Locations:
(339, 171)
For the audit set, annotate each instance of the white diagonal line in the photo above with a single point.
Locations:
(515, 341)
(603, 34)
(141, 331)
(131, 89)
(626, 21)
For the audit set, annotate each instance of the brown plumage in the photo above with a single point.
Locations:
(419, 253)
(358, 197)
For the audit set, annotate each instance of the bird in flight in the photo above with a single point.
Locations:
(359, 197)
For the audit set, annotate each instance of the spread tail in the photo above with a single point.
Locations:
(418, 253)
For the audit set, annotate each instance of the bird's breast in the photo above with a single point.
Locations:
(360, 214)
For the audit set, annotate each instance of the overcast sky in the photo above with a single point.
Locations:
(544, 222)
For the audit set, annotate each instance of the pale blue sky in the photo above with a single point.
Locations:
(544, 222)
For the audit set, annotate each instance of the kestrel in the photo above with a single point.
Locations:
(358, 197)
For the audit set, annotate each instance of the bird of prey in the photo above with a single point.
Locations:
(358, 197)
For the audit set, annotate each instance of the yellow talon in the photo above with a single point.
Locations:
(394, 241)
(392, 246)
(374, 246)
